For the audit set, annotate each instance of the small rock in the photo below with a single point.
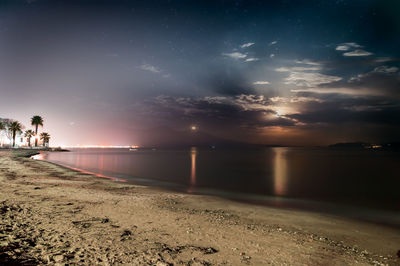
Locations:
(17, 250)
(210, 251)
(69, 256)
(364, 252)
(86, 225)
(4, 243)
(126, 233)
(161, 263)
(58, 258)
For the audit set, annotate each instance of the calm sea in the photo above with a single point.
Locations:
(311, 178)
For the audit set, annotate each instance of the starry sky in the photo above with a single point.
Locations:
(144, 72)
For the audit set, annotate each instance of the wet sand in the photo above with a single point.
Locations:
(51, 214)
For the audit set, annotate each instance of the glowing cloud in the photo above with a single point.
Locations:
(235, 55)
(247, 45)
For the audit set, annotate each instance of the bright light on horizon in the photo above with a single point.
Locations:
(100, 146)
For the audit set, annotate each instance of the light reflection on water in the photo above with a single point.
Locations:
(280, 169)
(39, 156)
(193, 154)
(317, 174)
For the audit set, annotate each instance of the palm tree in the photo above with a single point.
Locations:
(29, 134)
(36, 121)
(45, 137)
(15, 127)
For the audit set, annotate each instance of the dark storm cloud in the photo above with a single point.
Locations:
(376, 105)
(339, 113)
(370, 95)
(383, 80)
(217, 112)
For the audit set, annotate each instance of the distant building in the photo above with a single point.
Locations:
(20, 140)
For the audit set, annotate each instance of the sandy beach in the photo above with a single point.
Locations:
(51, 214)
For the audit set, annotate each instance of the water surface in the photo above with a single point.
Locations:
(365, 178)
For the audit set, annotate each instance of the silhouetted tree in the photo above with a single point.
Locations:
(15, 127)
(45, 137)
(36, 121)
(29, 134)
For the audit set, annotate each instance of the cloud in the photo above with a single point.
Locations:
(264, 82)
(378, 71)
(309, 79)
(235, 55)
(294, 99)
(216, 99)
(345, 110)
(358, 52)
(382, 81)
(241, 111)
(273, 43)
(307, 110)
(386, 69)
(342, 90)
(252, 59)
(342, 48)
(278, 99)
(252, 102)
(307, 75)
(150, 68)
(307, 62)
(245, 45)
(297, 69)
(384, 59)
(352, 49)
(282, 69)
(154, 69)
(347, 46)
(272, 55)
(306, 99)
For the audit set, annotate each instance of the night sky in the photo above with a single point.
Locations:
(144, 72)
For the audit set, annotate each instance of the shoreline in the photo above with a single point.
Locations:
(52, 214)
(109, 177)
